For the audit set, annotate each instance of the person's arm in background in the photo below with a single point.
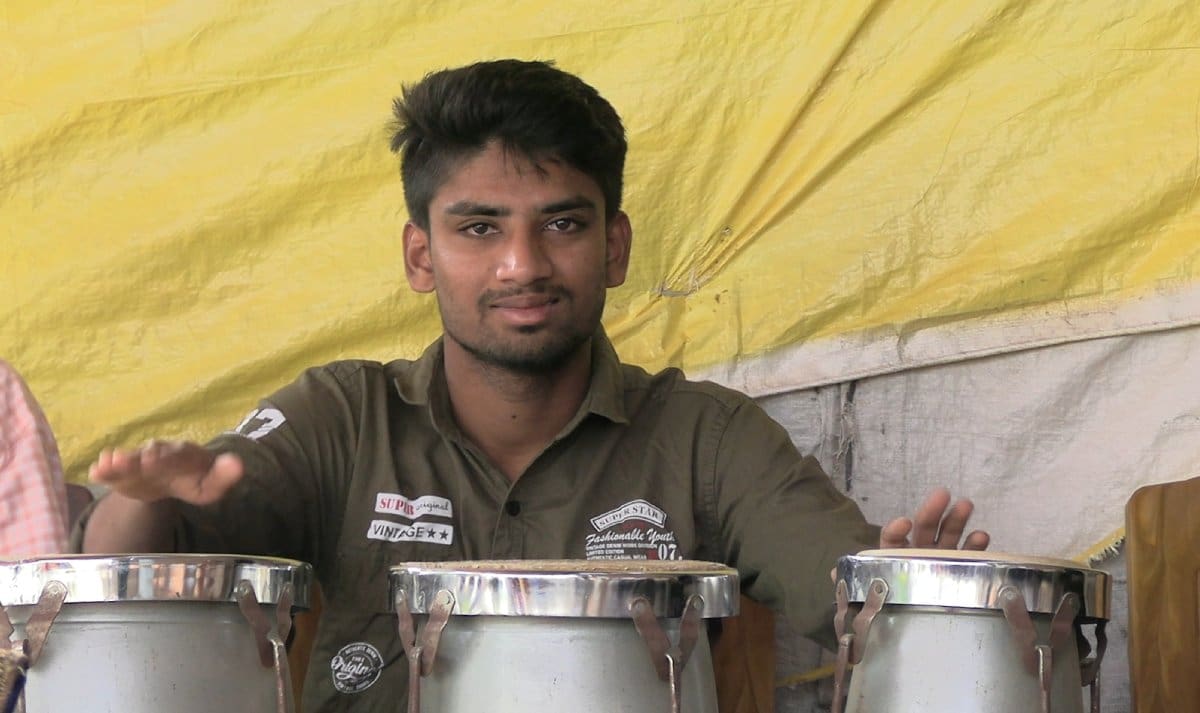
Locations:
(33, 497)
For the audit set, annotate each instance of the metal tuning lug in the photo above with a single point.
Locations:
(669, 660)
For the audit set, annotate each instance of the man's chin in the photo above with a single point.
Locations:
(529, 356)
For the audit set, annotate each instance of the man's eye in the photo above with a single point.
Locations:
(478, 229)
(564, 224)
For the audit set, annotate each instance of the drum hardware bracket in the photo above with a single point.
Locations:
(24, 653)
(1089, 668)
(439, 615)
(657, 640)
(272, 651)
(852, 645)
(845, 643)
(1036, 657)
(37, 629)
(421, 654)
(14, 662)
(669, 660)
(876, 597)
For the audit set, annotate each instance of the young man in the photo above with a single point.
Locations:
(518, 434)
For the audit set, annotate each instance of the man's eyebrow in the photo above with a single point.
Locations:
(472, 208)
(573, 203)
(469, 208)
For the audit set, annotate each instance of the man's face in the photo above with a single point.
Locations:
(520, 256)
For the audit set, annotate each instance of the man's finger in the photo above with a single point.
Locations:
(977, 540)
(226, 471)
(102, 467)
(929, 518)
(114, 466)
(221, 475)
(954, 524)
(895, 534)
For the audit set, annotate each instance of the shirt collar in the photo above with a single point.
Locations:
(606, 392)
(424, 384)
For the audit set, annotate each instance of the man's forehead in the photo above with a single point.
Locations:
(473, 207)
(513, 181)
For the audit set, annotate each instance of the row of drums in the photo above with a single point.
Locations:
(921, 630)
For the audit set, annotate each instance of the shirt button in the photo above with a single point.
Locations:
(512, 507)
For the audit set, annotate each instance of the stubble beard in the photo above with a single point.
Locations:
(524, 353)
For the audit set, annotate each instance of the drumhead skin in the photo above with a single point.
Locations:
(567, 588)
(972, 580)
(154, 577)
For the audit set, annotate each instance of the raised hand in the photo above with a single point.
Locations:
(167, 469)
(935, 525)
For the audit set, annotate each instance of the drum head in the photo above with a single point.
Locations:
(567, 588)
(973, 580)
(154, 577)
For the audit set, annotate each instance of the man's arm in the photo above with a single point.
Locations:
(148, 483)
(782, 523)
(119, 525)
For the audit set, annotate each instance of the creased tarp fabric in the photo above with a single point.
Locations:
(197, 200)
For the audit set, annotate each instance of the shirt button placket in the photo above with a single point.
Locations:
(509, 539)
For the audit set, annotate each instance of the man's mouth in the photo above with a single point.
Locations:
(526, 301)
(526, 308)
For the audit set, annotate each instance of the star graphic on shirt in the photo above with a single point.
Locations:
(443, 534)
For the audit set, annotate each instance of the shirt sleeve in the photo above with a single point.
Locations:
(781, 522)
(296, 451)
(33, 498)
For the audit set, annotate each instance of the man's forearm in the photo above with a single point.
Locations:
(123, 525)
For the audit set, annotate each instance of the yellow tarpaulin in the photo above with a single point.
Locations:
(197, 199)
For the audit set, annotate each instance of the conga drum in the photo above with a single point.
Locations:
(150, 633)
(986, 632)
(564, 635)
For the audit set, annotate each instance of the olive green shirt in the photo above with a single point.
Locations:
(358, 466)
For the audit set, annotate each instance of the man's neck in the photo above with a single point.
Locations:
(514, 416)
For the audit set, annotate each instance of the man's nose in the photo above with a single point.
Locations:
(524, 259)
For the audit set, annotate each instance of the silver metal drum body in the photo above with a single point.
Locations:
(151, 633)
(510, 664)
(562, 637)
(942, 640)
(960, 660)
(140, 657)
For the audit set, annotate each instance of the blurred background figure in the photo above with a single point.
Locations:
(33, 493)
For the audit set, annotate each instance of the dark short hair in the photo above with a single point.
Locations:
(531, 108)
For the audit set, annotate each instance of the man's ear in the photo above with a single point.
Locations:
(618, 239)
(418, 265)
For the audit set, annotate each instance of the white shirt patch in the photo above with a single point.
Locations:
(396, 504)
(634, 509)
(633, 531)
(260, 422)
(356, 667)
(432, 532)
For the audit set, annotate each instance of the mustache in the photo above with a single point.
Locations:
(552, 291)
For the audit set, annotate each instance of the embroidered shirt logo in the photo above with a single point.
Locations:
(260, 422)
(356, 667)
(395, 504)
(634, 509)
(634, 531)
